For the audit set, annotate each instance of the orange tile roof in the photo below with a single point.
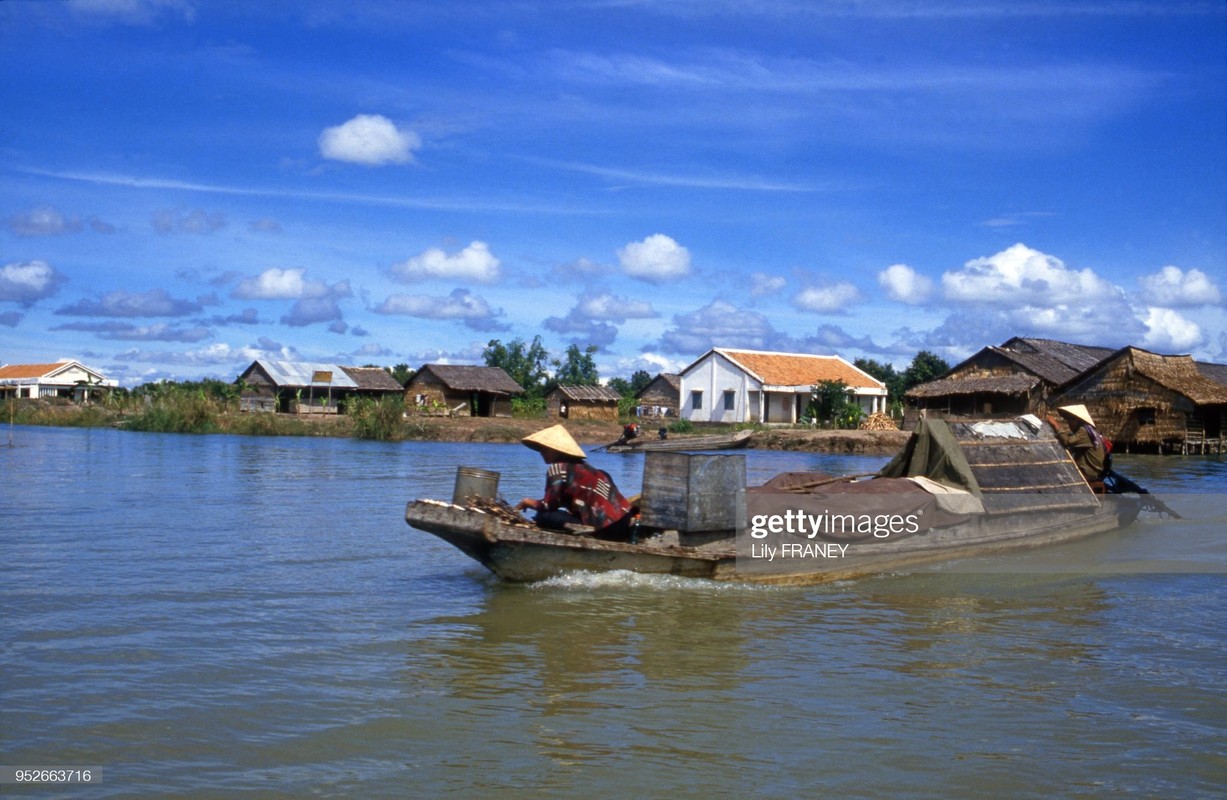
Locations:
(29, 370)
(797, 369)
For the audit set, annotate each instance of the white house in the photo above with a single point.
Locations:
(727, 385)
(62, 379)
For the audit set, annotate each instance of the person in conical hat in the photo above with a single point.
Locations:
(576, 493)
(1082, 440)
(556, 439)
(1078, 411)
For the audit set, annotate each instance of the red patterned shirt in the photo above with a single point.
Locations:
(586, 492)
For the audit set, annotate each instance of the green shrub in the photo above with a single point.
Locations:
(381, 420)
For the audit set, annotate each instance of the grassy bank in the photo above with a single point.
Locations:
(385, 421)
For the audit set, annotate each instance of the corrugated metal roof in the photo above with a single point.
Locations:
(300, 373)
(799, 369)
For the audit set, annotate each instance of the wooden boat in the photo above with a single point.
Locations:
(1024, 492)
(721, 441)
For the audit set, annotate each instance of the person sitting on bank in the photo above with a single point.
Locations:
(575, 492)
(1082, 440)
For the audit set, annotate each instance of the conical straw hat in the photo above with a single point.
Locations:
(1078, 411)
(558, 439)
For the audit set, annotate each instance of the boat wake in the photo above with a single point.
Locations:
(626, 579)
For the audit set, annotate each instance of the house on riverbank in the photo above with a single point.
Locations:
(660, 397)
(461, 390)
(733, 386)
(307, 387)
(1144, 401)
(66, 379)
(583, 402)
(1017, 377)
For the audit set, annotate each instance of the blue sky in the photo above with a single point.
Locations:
(186, 186)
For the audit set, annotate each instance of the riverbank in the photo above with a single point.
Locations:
(590, 433)
(594, 432)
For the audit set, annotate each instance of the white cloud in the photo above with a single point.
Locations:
(827, 299)
(905, 285)
(474, 263)
(369, 139)
(1168, 332)
(44, 221)
(119, 303)
(762, 284)
(461, 305)
(718, 324)
(612, 308)
(1020, 276)
(656, 259)
(28, 281)
(196, 221)
(1173, 287)
(279, 284)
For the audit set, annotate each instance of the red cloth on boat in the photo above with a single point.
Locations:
(586, 492)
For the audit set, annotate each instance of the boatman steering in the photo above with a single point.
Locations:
(576, 492)
(1082, 440)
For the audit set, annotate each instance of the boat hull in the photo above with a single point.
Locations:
(685, 444)
(524, 553)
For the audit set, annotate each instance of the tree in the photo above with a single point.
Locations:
(525, 363)
(578, 369)
(629, 388)
(832, 404)
(401, 373)
(885, 373)
(924, 367)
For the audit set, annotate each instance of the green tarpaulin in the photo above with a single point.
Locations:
(933, 452)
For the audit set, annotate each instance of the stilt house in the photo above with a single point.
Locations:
(1017, 377)
(1143, 401)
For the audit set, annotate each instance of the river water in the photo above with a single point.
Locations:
(218, 616)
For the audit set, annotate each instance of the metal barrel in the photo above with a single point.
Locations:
(473, 482)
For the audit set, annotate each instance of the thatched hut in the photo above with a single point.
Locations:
(1149, 402)
(1014, 378)
(583, 402)
(660, 398)
(461, 390)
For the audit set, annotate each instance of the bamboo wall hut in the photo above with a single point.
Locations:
(583, 402)
(1017, 377)
(1143, 401)
(461, 390)
(660, 398)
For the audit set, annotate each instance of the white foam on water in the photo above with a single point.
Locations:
(627, 579)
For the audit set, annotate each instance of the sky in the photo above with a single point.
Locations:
(189, 185)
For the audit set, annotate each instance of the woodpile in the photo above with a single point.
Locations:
(878, 422)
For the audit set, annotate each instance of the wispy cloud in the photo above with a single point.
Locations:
(732, 182)
(433, 204)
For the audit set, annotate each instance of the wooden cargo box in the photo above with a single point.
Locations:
(693, 492)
